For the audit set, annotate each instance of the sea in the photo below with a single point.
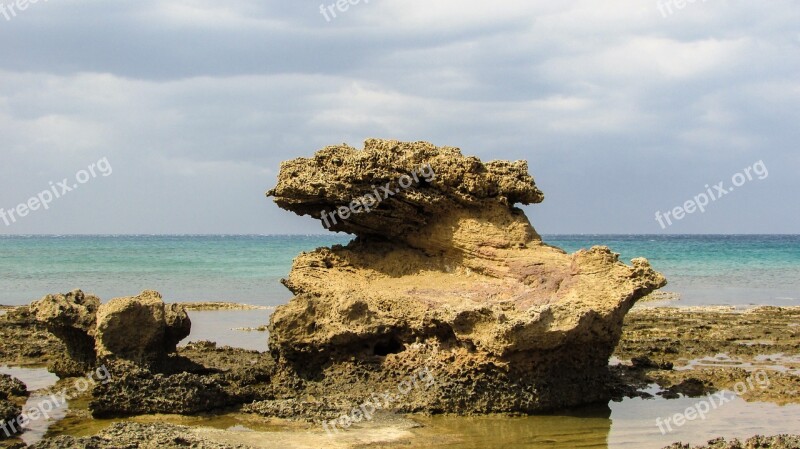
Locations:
(702, 269)
(737, 270)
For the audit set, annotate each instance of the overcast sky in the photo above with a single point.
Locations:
(620, 107)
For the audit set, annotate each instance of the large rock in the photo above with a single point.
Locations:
(141, 329)
(71, 318)
(445, 274)
(337, 175)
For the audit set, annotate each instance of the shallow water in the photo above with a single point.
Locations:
(630, 423)
(37, 379)
(224, 328)
(627, 424)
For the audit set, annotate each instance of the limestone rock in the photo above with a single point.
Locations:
(755, 442)
(9, 411)
(12, 396)
(446, 274)
(135, 390)
(337, 175)
(71, 318)
(201, 378)
(137, 435)
(11, 386)
(141, 329)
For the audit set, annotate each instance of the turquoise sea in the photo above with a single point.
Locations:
(704, 269)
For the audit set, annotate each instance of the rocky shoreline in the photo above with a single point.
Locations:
(665, 346)
(447, 302)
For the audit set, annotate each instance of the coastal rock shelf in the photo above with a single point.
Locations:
(445, 275)
(140, 329)
(135, 339)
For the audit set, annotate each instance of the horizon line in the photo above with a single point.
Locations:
(346, 234)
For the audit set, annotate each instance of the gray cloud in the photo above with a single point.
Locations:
(619, 110)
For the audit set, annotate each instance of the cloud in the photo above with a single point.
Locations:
(197, 102)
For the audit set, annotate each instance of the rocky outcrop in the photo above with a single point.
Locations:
(756, 442)
(444, 273)
(140, 329)
(442, 182)
(201, 378)
(71, 318)
(26, 342)
(136, 391)
(11, 386)
(137, 435)
(12, 396)
(135, 338)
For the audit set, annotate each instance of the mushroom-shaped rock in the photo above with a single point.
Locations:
(445, 274)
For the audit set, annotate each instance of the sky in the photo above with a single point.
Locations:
(172, 117)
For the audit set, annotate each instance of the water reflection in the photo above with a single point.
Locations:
(621, 425)
(224, 327)
(36, 379)
(586, 427)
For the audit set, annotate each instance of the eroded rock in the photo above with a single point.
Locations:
(339, 174)
(141, 329)
(135, 391)
(137, 435)
(756, 442)
(201, 378)
(71, 318)
(12, 396)
(445, 274)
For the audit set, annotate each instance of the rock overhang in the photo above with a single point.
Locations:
(450, 266)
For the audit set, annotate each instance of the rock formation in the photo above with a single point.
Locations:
(139, 329)
(13, 393)
(444, 273)
(201, 378)
(71, 318)
(157, 435)
(136, 339)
